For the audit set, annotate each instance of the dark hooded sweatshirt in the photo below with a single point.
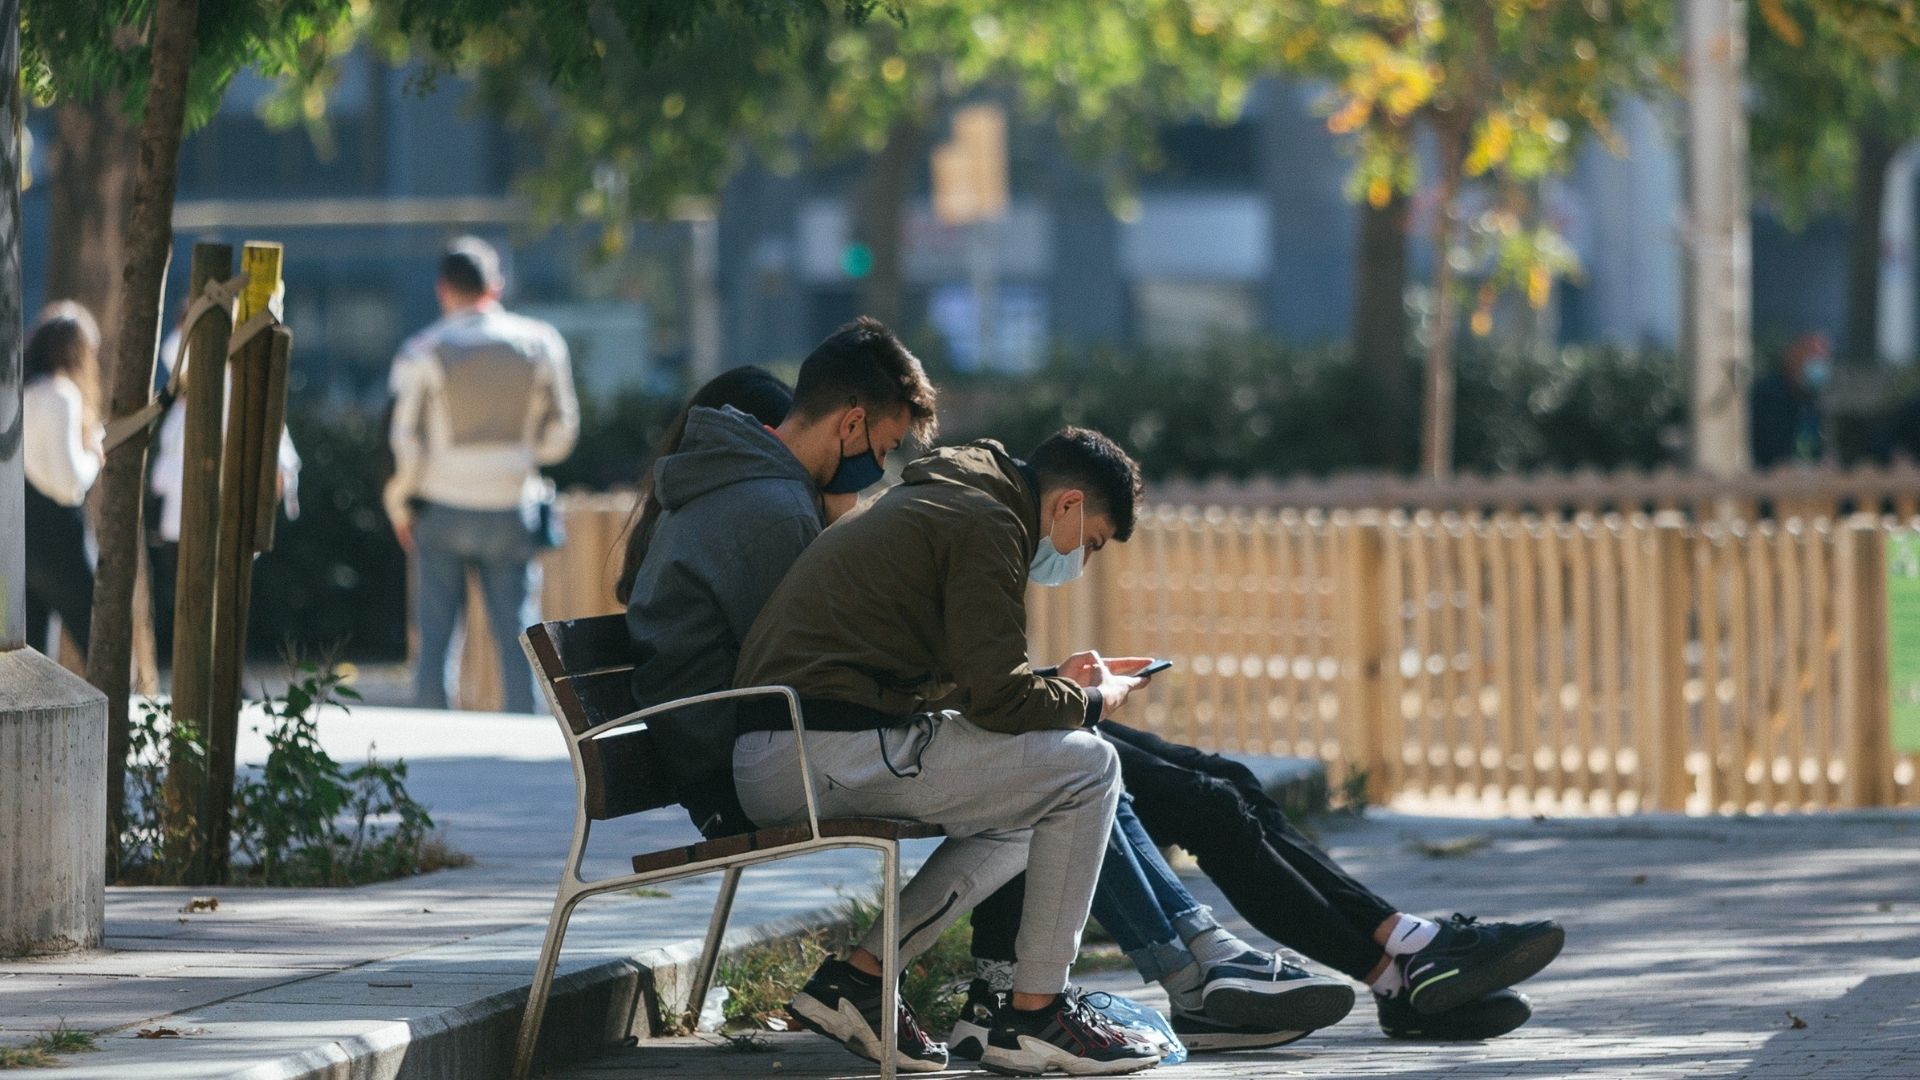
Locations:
(739, 508)
(917, 602)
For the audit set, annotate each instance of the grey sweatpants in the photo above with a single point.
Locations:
(1041, 802)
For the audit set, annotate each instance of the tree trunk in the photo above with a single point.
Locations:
(130, 375)
(91, 163)
(1873, 153)
(1436, 431)
(878, 222)
(1379, 328)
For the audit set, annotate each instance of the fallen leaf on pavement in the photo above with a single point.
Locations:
(1797, 1023)
(201, 903)
(1637, 879)
(167, 1033)
(1455, 848)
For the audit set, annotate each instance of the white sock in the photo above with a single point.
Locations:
(1216, 946)
(1410, 935)
(1390, 982)
(997, 973)
(1183, 988)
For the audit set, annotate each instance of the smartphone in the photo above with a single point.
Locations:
(1153, 669)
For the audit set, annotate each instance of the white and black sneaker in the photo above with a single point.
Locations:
(1470, 959)
(1204, 1035)
(968, 1039)
(843, 1003)
(1261, 992)
(1070, 1036)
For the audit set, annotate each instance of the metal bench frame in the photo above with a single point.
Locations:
(543, 646)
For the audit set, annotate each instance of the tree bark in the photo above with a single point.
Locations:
(91, 163)
(1436, 431)
(1873, 154)
(130, 376)
(878, 222)
(1379, 327)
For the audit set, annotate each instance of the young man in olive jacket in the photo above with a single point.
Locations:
(903, 630)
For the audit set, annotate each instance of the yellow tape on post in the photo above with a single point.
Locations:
(260, 261)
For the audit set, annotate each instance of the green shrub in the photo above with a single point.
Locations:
(302, 819)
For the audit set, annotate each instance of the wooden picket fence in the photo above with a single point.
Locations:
(1526, 662)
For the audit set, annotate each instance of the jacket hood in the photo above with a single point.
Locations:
(984, 466)
(722, 447)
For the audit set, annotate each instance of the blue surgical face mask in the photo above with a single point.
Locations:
(856, 472)
(1050, 567)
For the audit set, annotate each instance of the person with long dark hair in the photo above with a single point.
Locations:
(60, 402)
(751, 390)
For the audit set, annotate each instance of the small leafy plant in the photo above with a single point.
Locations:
(300, 818)
(304, 819)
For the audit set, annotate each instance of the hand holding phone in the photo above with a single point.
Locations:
(1153, 669)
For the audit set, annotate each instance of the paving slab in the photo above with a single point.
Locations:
(424, 976)
(1692, 947)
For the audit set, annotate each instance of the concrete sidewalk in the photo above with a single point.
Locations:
(417, 977)
(1693, 947)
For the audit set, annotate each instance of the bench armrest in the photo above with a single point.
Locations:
(793, 711)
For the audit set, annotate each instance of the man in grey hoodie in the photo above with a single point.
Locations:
(738, 501)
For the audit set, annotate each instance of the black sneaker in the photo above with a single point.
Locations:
(1256, 990)
(843, 1003)
(1488, 1018)
(1069, 1035)
(1470, 959)
(1203, 1035)
(969, 1037)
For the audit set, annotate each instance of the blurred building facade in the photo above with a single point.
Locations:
(1248, 231)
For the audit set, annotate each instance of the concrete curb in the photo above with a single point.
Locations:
(594, 1009)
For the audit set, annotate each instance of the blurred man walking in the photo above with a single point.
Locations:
(482, 399)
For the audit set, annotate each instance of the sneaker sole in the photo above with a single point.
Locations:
(1493, 1023)
(1037, 1057)
(1452, 989)
(1223, 1042)
(1300, 1009)
(847, 1027)
(967, 1041)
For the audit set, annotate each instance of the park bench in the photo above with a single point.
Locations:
(584, 667)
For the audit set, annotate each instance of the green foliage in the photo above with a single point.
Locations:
(156, 836)
(1260, 409)
(762, 977)
(302, 819)
(79, 51)
(288, 818)
(1824, 74)
(65, 1040)
(26, 1057)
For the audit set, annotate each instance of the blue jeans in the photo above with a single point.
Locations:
(495, 544)
(1139, 899)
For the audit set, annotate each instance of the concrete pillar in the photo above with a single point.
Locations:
(53, 726)
(53, 801)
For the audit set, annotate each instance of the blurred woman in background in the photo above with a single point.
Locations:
(60, 402)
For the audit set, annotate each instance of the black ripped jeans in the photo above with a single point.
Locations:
(1276, 878)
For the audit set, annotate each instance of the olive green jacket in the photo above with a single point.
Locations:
(919, 599)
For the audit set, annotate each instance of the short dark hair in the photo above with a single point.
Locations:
(471, 267)
(1077, 457)
(863, 363)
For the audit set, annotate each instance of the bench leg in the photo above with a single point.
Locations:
(710, 951)
(889, 959)
(537, 995)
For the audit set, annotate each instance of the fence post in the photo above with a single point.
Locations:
(1364, 660)
(1864, 652)
(1667, 744)
(204, 350)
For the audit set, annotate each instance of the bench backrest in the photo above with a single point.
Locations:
(586, 665)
